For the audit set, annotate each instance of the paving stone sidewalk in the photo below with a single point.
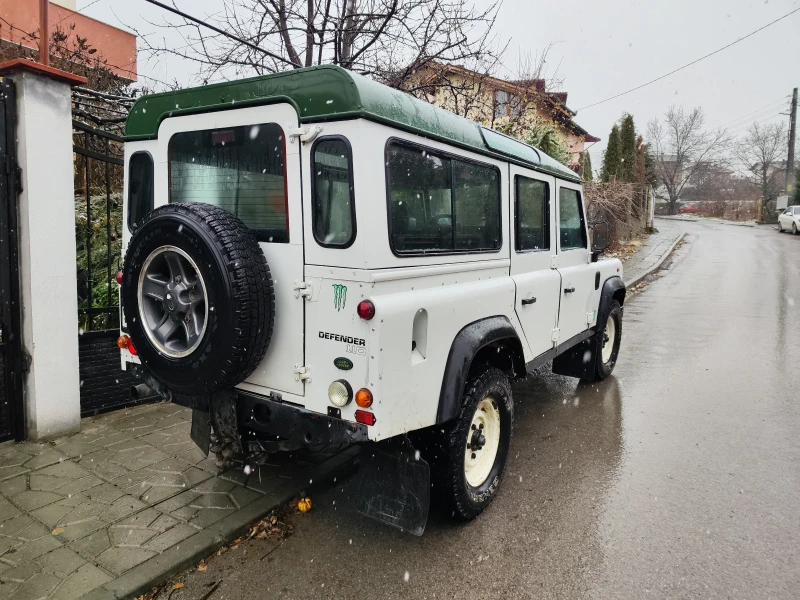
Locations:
(649, 256)
(107, 510)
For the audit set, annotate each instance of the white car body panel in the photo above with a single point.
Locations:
(424, 299)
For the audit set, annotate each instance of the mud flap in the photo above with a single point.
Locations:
(201, 429)
(394, 487)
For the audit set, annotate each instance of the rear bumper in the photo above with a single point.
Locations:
(281, 426)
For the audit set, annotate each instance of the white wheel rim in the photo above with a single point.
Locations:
(483, 441)
(608, 339)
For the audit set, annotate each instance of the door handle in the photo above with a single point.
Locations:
(528, 301)
(569, 290)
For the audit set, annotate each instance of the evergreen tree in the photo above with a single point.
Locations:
(586, 166)
(612, 157)
(627, 149)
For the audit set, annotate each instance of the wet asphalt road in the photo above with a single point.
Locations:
(678, 477)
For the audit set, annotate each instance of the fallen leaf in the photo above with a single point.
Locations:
(57, 531)
(202, 567)
(177, 586)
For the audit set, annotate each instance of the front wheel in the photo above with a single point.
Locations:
(475, 448)
(607, 342)
(794, 228)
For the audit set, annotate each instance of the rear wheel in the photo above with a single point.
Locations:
(794, 228)
(472, 456)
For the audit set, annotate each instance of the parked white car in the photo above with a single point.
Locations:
(316, 260)
(789, 219)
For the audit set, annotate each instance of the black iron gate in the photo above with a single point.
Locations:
(98, 235)
(11, 414)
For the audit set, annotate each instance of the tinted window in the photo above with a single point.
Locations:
(570, 212)
(533, 214)
(333, 193)
(140, 188)
(240, 169)
(440, 204)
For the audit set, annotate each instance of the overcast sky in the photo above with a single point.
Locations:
(605, 48)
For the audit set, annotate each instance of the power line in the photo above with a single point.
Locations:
(758, 110)
(225, 33)
(718, 50)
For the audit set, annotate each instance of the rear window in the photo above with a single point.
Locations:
(438, 203)
(334, 207)
(240, 169)
(140, 188)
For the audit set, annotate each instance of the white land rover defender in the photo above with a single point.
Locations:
(316, 260)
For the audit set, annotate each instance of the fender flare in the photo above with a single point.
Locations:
(466, 344)
(613, 288)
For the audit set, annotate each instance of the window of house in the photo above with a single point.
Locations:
(441, 204)
(572, 231)
(240, 169)
(334, 208)
(506, 104)
(533, 214)
(500, 103)
(140, 188)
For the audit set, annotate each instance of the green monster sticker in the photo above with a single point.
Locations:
(339, 295)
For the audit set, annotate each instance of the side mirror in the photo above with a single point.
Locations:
(599, 238)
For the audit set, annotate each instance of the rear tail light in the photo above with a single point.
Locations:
(366, 309)
(118, 277)
(367, 418)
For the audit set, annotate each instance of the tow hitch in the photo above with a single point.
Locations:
(394, 487)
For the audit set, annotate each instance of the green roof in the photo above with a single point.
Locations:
(330, 93)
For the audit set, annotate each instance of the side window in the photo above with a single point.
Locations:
(140, 188)
(533, 214)
(240, 169)
(441, 204)
(571, 228)
(334, 204)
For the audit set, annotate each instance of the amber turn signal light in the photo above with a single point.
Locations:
(364, 398)
(126, 343)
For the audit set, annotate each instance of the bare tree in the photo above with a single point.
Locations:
(387, 39)
(681, 147)
(758, 153)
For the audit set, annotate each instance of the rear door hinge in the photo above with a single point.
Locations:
(302, 373)
(303, 289)
(554, 337)
(554, 261)
(305, 133)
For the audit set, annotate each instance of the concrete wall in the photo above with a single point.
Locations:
(47, 255)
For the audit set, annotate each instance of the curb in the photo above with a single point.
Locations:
(150, 573)
(671, 218)
(657, 266)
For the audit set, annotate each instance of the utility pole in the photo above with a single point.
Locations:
(790, 182)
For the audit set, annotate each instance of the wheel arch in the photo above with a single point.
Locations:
(492, 341)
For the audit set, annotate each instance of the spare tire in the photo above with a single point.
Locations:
(197, 297)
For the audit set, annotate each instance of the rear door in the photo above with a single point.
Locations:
(538, 284)
(244, 161)
(574, 263)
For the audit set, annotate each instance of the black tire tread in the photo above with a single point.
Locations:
(247, 266)
(449, 465)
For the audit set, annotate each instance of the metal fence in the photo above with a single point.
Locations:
(98, 224)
